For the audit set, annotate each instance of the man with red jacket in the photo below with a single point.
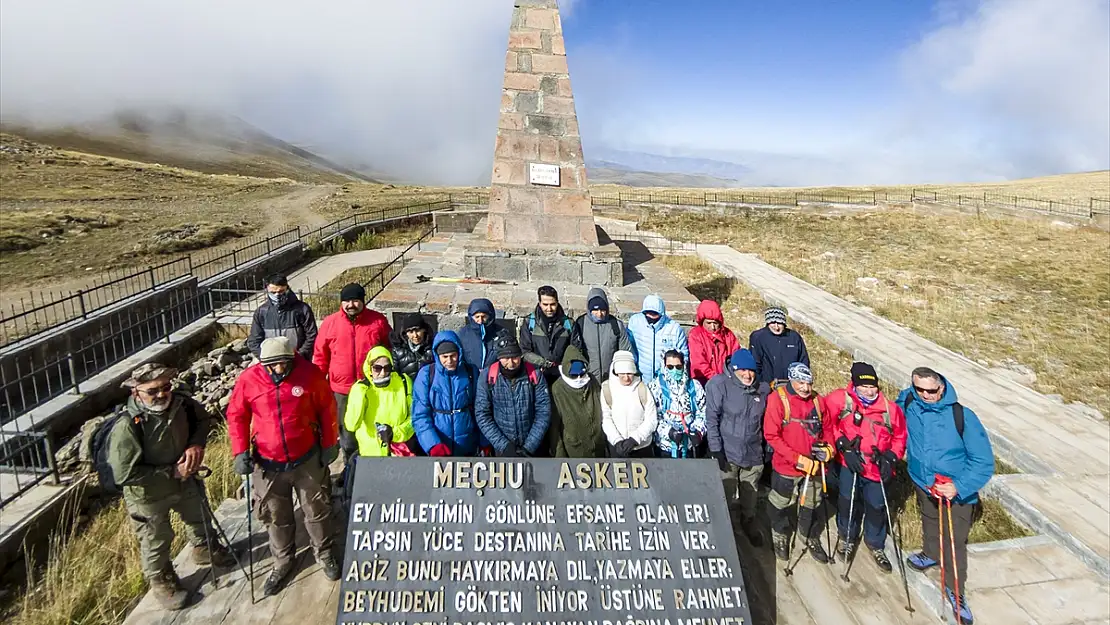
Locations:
(344, 340)
(871, 438)
(801, 431)
(711, 343)
(284, 433)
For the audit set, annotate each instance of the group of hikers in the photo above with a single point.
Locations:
(587, 387)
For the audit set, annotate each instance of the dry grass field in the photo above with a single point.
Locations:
(1008, 293)
(1065, 188)
(355, 197)
(743, 311)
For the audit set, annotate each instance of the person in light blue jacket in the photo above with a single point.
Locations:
(950, 460)
(654, 334)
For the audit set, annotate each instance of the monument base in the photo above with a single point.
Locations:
(574, 264)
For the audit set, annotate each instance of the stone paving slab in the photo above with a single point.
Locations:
(644, 273)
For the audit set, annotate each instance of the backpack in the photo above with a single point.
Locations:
(778, 386)
(495, 368)
(849, 409)
(99, 440)
(641, 392)
(566, 323)
(957, 413)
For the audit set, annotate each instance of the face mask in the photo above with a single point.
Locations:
(675, 375)
(381, 382)
(577, 383)
(278, 378)
(274, 297)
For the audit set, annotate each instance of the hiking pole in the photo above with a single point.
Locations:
(250, 538)
(825, 501)
(940, 550)
(897, 550)
(851, 519)
(206, 509)
(789, 570)
(955, 566)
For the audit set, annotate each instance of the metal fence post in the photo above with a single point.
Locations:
(72, 363)
(165, 326)
(234, 259)
(150, 271)
(51, 461)
(81, 301)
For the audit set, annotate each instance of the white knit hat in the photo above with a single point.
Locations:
(275, 349)
(624, 362)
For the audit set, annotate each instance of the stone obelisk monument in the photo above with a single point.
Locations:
(540, 225)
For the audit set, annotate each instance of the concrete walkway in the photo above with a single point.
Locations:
(1064, 456)
(319, 272)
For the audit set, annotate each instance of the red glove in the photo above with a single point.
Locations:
(940, 480)
(400, 449)
(440, 450)
(485, 452)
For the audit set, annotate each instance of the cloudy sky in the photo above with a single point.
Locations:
(846, 92)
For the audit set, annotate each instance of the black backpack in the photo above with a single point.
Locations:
(957, 413)
(100, 443)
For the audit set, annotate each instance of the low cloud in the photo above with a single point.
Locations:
(411, 88)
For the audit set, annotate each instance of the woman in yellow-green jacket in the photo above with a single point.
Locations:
(379, 409)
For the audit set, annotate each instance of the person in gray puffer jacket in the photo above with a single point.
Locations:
(734, 404)
(600, 335)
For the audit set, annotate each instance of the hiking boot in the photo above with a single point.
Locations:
(753, 532)
(817, 551)
(921, 562)
(331, 567)
(781, 545)
(845, 549)
(881, 560)
(167, 590)
(964, 612)
(218, 556)
(276, 580)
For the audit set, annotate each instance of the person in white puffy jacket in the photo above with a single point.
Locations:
(628, 415)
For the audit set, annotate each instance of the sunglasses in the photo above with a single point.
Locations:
(926, 391)
(575, 376)
(676, 367)
(158, 390)
(381, 368)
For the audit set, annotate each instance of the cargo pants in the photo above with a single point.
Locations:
(273, 498)
(151, 522)
(746, 480)
(785, 491)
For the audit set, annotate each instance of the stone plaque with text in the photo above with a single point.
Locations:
(521, 541)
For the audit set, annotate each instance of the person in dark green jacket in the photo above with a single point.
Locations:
(575, 430)
(155, 449)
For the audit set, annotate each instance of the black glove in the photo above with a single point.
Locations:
(850, 454)
(510, 451)
(722, 461)
(676, 435)
(385, 434)
(624, 448)
(329, 454)
(243, 464)
(885, 462)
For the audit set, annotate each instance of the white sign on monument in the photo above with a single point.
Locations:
(543, 173)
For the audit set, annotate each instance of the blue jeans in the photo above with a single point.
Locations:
(869, 505)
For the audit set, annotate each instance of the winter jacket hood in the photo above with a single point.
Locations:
(935, 447)
(369, 404)
(599, 340)
(630, 414)
(872, 431)
(597, 292)
(734, 418)
(443, 403)
(653, 340)
(710, 351)
(285, 421)
(576, 417)
(342, 345)
(478, 339)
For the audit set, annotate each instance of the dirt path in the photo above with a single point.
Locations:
(283, 212)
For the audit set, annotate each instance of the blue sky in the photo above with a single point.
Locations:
(800, 92)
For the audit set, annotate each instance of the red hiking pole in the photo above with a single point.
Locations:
(940, 548)
(955, 568)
